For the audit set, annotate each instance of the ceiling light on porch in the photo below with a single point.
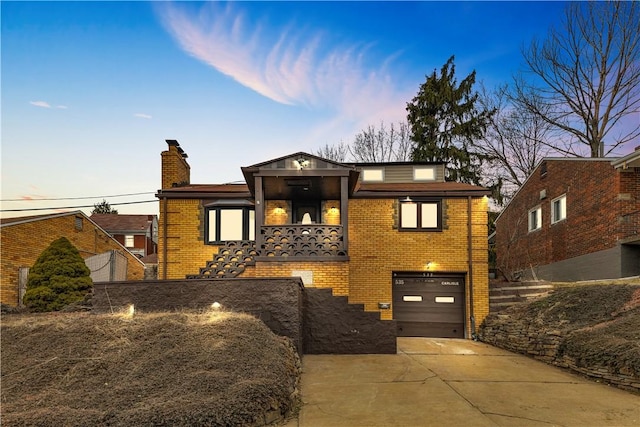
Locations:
(301, 163)
(407, 199)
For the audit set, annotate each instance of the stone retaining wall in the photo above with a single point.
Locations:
(544, 344)
(316, 321)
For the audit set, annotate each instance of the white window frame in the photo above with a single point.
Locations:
(538, 221)
(561, 203)
(129, 241)
(240, 224)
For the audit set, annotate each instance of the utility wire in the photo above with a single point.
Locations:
(75, 198)
(74, 207)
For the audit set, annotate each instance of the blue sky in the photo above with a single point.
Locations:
(91, 90)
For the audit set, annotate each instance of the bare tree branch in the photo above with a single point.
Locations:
(587, 77)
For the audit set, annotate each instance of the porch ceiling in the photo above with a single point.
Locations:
(308, 187)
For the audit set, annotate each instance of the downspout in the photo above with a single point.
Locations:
(470, 256)
(164, 235)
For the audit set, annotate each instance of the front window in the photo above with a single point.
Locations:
(230, 223)
(420, 215)
(558, 209)
(535, 219)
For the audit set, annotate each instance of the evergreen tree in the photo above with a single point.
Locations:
(445, 120)
(103, 208)
(58, 278)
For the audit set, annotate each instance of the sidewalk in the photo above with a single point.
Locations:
(453, 382)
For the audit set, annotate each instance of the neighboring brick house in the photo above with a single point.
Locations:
(394, 237)
(573, 219)
(24, 239)
(137, 233)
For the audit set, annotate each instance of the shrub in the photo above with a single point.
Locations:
(58, 278)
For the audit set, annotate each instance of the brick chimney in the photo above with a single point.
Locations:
(175, 169)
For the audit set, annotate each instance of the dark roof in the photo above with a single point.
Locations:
(117, 222)
(420, 189)
(205, 190)
(150, 259)
(30, 218)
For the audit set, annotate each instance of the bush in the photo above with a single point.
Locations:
(58, 278)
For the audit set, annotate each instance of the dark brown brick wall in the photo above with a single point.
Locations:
(597, 196)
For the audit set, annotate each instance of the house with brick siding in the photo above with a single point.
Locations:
(573, 219)
(394, 238)
(137, 233)
(24, 239)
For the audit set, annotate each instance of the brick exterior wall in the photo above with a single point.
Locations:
(184, 247)
(596, 196)
(23, 243)
(175, 169)
(376, 249)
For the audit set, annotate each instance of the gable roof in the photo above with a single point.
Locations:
(124, 223)
(299, 154)
(25, 219)
(568, 160)
(426, 189)
(8, 222)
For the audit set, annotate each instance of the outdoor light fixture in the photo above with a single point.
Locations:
(429, 264)
(301, 163)
(407, 199)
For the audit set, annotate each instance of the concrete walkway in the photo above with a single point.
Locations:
(450, 382)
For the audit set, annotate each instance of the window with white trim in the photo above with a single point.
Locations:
(230, 223)
(129, 241)
(535, 219)
(558, 209)
(420, 215)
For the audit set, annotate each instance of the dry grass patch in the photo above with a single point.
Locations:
(177, 369)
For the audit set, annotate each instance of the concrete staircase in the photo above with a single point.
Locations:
(506, 294)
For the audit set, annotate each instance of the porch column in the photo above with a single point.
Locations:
(259, 213)
(344, 210)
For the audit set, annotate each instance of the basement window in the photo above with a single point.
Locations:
(420, 215)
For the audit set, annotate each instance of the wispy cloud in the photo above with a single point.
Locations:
(45, 104)
(142, 115)
(42, 104)
(295, 68)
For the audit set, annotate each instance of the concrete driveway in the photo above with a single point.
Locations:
(454, 382)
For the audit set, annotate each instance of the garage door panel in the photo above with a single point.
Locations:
(432, 306)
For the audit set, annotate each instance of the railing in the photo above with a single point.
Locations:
(231, 260)
(302, 240)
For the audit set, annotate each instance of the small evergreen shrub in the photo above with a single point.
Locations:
(58, 278)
